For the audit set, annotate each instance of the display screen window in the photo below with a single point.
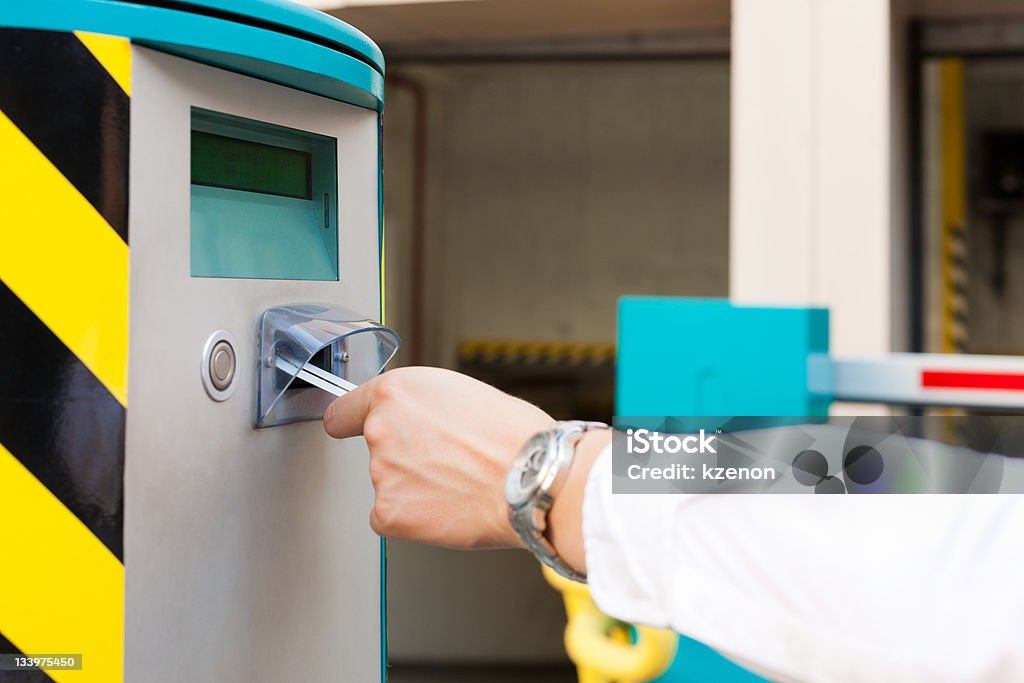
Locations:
(264, 200)
(221, 161)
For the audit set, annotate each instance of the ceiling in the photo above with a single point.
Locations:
(425, 29)
(965, 9)
(476, 21)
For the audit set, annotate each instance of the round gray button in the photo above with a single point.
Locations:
(222, 365)
(219, 365)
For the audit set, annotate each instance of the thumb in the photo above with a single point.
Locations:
(346, 415)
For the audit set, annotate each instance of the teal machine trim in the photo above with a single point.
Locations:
(707, 357)
(383, 266)
(271, 40)
(286, 16)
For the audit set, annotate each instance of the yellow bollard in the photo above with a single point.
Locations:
(602, 648)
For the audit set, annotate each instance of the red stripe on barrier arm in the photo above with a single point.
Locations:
(941, 379)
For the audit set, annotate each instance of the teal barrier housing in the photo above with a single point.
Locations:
(706, 357)
(694, 357)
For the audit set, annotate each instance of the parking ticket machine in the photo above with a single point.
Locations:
(189, 269)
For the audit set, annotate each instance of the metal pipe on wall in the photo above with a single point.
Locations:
(417, 265)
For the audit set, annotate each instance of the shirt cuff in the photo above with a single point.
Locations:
(623, 542)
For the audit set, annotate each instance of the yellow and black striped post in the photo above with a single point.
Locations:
(64, 115)
(954, 208)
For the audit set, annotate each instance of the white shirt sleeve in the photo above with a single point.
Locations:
(819, 588)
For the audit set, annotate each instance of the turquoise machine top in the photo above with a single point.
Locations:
(274, 40)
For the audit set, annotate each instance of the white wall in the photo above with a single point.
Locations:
(554, 188)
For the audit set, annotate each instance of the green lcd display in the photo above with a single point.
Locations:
(233, 164)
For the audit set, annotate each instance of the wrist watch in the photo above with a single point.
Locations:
(538, 473)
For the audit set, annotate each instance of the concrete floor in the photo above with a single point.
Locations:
(406, 673)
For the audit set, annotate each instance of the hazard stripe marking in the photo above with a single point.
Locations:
(61, 423)
(75, 113)
(60, 257)
(8, 648)
(65, 591)
(114, 53)
(64, 120)
(939, 379)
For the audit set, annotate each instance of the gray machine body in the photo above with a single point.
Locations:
(247, 551)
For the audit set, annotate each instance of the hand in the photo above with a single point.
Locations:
(440, 446)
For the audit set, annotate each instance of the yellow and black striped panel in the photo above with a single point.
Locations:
(535, 352)
(64, 108)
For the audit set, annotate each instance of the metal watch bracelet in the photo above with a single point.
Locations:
(537, 476)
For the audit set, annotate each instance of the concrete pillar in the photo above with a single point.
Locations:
(816, 186)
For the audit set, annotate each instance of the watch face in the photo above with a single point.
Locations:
(529, 469)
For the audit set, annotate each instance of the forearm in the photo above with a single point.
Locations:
(840, 588)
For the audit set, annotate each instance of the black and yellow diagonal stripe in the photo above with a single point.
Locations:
(64, 105)
(953, 238)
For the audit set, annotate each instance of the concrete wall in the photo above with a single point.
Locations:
(817, 164)
(553, 188)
